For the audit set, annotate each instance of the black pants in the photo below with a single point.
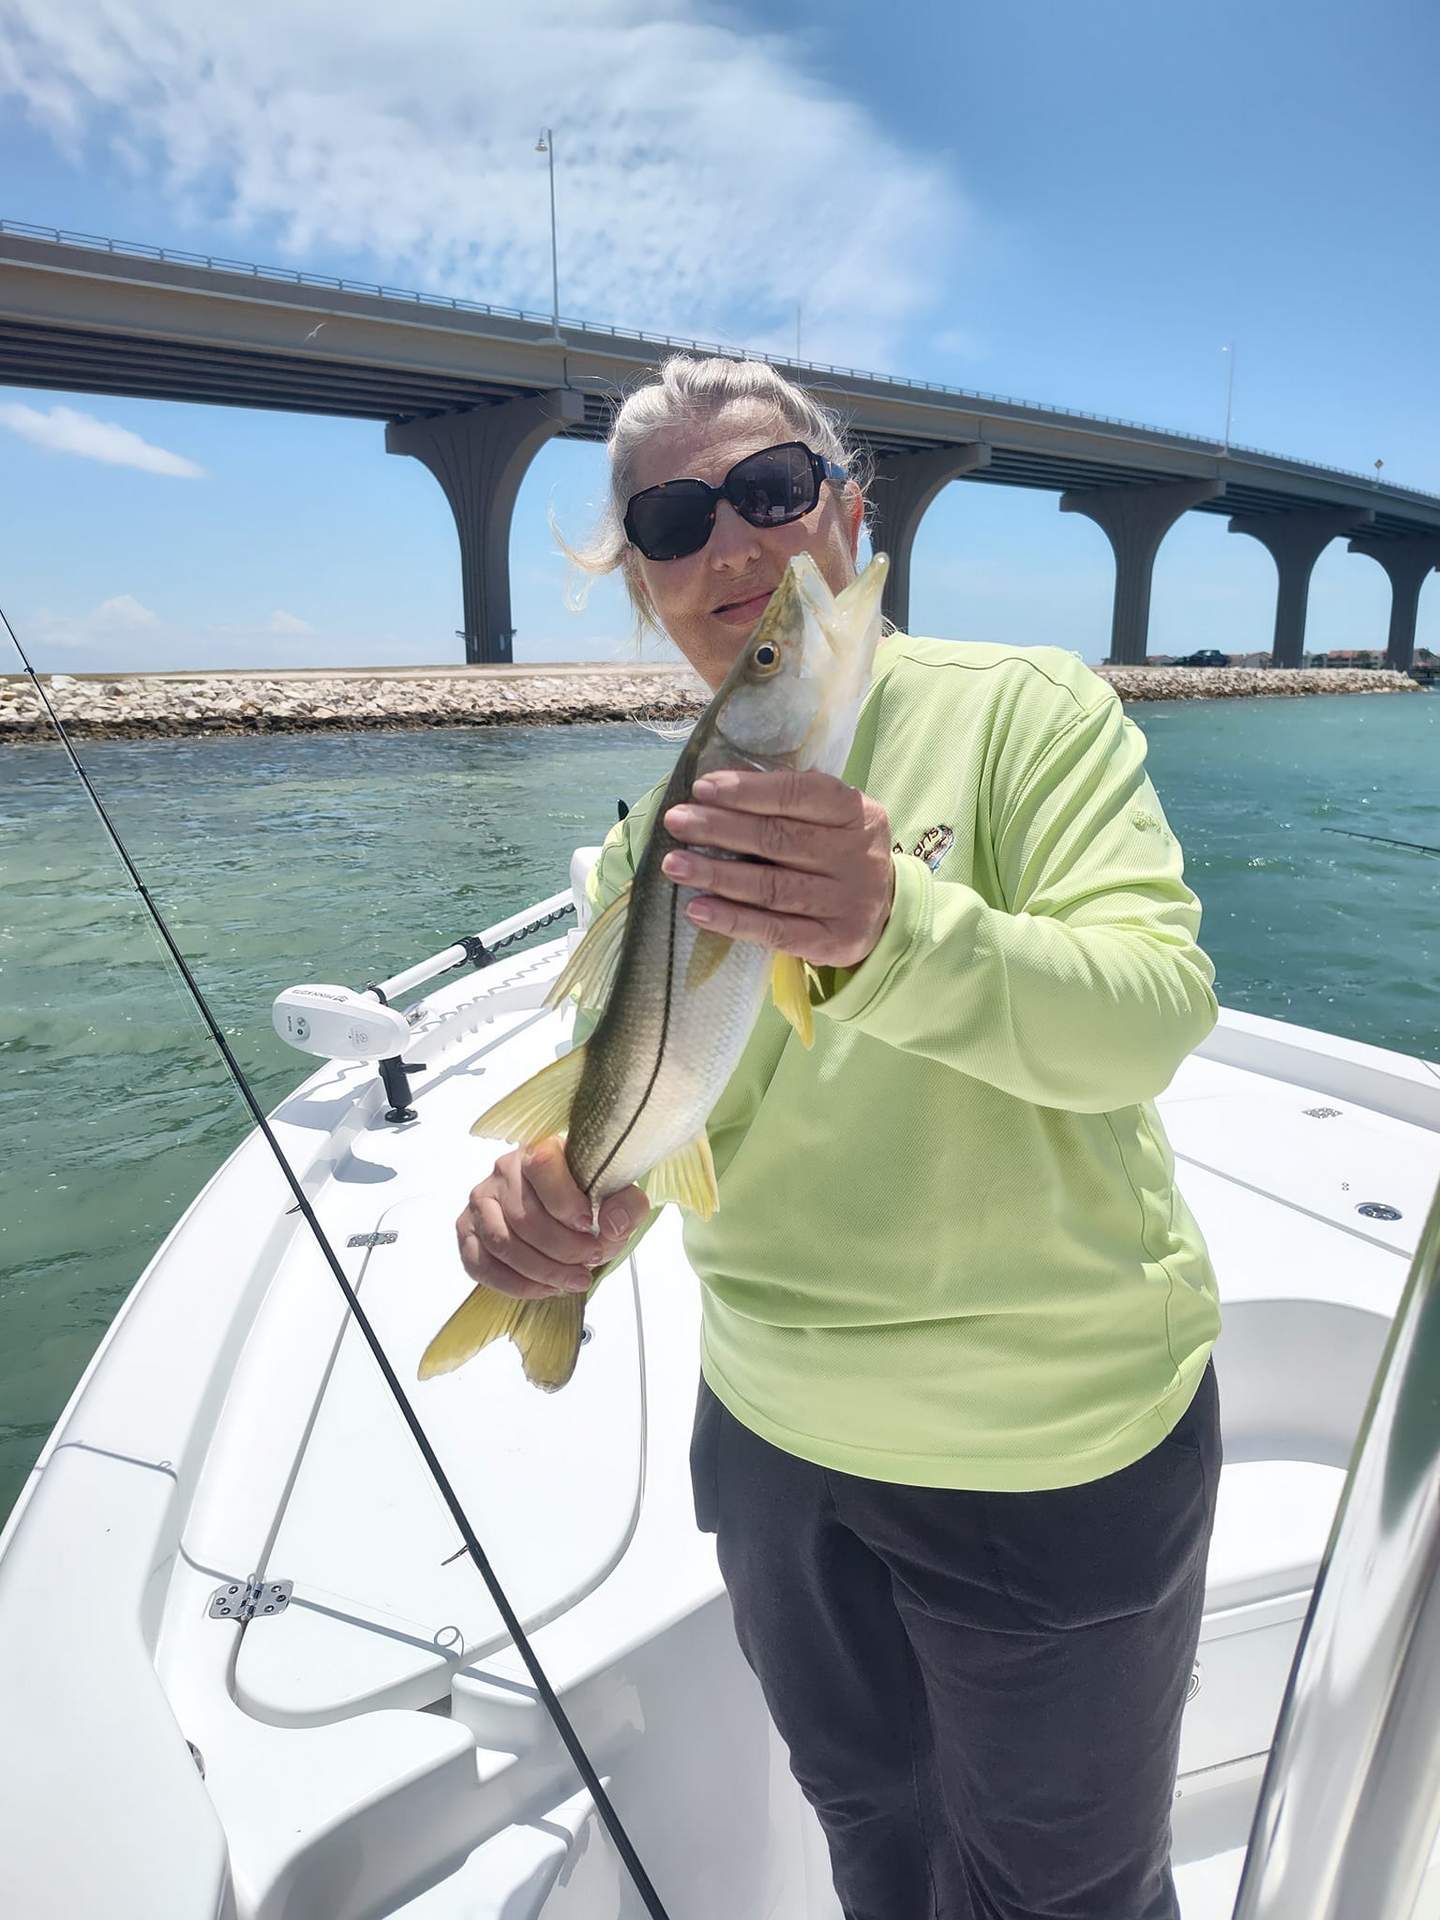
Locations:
(981, 1692)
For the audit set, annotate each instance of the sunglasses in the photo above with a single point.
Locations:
(767, 489)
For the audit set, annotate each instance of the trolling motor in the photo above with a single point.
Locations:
(337, 1023)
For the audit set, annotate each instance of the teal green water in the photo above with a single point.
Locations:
(346, 857)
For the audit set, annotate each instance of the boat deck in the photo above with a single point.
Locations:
(376, 1747)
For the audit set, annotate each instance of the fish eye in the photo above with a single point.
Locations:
(766, 656)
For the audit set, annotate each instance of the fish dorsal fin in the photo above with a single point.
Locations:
(589, 973)
(538, 1107)
(790, 990)
(687, 1177)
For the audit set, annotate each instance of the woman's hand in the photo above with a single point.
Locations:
(526, 1228)
(823, 883)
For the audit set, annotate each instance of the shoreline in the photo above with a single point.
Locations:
(151, 706)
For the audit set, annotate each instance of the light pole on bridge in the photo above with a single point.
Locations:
(546, 145)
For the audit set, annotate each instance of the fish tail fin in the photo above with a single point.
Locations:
(547, 1332)
(478, 1320)
(539, 1106)
(687, 1177)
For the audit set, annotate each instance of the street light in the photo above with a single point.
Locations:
(546, 144)
(1229, 390)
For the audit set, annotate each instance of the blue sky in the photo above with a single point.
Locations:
(1080, 205)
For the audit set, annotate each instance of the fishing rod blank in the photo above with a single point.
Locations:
(551, 1699)
(1383, 838)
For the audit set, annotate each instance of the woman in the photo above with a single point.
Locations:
(957, 1431)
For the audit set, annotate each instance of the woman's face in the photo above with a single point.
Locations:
(709, 601)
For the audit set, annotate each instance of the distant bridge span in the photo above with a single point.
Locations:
(474, 391)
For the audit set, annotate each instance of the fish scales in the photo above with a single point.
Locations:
(678, 1002)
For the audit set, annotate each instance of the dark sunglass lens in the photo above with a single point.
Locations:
(668, 522)
(771, 488)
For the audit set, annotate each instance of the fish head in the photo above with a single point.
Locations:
(792, 695)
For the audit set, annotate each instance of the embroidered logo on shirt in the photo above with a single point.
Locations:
(1150, 823)
(932, 846)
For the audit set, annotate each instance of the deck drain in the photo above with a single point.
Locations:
(1378, 1210)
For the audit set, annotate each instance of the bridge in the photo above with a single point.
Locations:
(474, 391)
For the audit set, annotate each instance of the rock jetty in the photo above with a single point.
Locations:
(150, 705)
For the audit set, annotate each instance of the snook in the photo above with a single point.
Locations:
(679, 1002)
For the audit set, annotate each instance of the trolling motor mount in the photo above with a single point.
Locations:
(336, 1023)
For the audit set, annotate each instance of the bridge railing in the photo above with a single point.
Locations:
(294, 276)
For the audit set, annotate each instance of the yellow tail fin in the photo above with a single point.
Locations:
(547, 1332)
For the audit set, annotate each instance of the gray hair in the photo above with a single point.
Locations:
(683, 391)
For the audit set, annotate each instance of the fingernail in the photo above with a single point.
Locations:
(679, 819)
(579, 1284)
(705, 788)
(679, 866)
(617, 1220)
(702, 912)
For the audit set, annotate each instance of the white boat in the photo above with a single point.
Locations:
(247, 1669)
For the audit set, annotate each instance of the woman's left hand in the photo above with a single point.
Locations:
(821, 882)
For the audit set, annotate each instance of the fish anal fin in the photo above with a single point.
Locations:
(589, 973)
(538, 1107)
(547, 1332)
(790, 990)
(687, 1177)
(706, 955)
(484, 1316)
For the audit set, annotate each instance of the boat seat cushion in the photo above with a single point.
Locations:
(1272, 1522)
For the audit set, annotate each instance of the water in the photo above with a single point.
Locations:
(345, 857)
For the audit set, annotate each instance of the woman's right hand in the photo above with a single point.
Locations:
(526, 1228)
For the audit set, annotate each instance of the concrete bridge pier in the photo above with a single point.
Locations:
(1407, 562)
(903, 487)
(1295, 542)
(480, 457)
(1136, 520)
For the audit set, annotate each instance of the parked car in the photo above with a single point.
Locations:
(1206, 657)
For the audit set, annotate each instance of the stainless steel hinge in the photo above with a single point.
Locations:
(372, 1239)
(250, 1599)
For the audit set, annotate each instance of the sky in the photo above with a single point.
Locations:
(1082, 205)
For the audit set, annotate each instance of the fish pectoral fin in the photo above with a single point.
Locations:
(589, 973)
(687, 1177)
(790, 990)
(483, 1317)
(705, 956)
(547, 1332)
(538, 1107)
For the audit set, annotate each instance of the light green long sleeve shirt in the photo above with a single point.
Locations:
(949, 1249)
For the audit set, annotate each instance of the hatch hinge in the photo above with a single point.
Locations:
(251, 1599)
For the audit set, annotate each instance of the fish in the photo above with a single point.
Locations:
(678, 1002)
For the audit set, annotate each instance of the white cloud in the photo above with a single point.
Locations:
(282, 622)
(67, 430)
(112, 620)
(122, 610)
(705, 184)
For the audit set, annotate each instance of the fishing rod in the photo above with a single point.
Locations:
(1383, 838)
(583, 1766)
